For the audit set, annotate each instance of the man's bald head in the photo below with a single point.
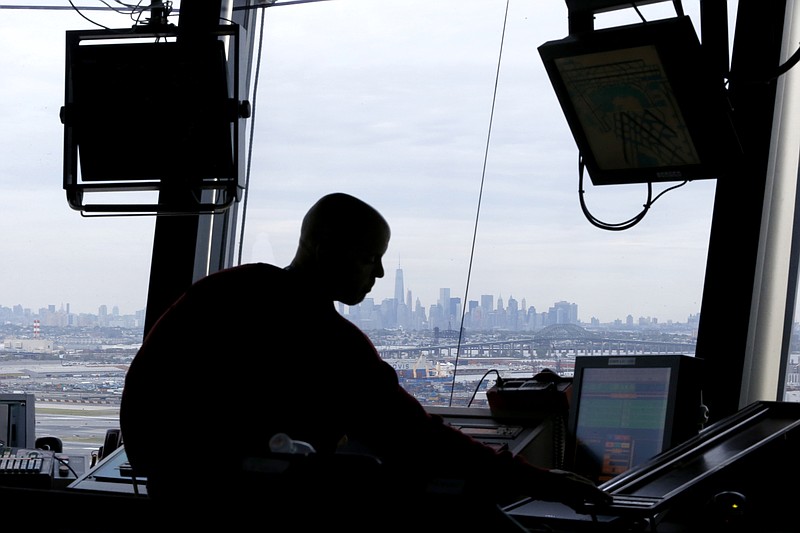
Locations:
(342, 241)
(341, 219)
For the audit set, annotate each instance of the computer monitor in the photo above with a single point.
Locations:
(627, 409)
(143, 113)
(17, 420)
(643, 104)
(136, 107)
(724, 477)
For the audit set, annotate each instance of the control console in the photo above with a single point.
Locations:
(33, 468)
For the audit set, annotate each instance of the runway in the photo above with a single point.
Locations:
(81, 428)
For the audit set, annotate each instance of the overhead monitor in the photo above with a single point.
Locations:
(628, 409)
(143, 113)
(150, 111)
(642, 103)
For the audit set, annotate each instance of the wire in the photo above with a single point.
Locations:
(71, 7)
(792, 61)
(252, 129)
(78, 11)
(478, 386)
(785, 67)
(273, 3)
(636, 8)
(676, 4)
(65, 463)
(618, 226)
(478, 210)
(134, 11)
(678, 7)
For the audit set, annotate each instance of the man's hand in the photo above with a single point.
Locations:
(571, 489)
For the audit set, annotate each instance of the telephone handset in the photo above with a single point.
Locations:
(546, 393)
(545, 396)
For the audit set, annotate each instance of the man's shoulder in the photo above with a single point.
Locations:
(239, 281)
(253, 269)
(247, 272)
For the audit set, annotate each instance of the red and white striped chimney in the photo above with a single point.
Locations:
(36, 329)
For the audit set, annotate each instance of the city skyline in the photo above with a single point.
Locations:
(492, 301)
(69, 308)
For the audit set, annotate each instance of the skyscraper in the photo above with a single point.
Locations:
(399, 290)
(444, 299)
(402, 311)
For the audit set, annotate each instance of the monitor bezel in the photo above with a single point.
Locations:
(700, 96)
(684, 397)
(169, 103)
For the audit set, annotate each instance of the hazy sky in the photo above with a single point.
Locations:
(391, 101)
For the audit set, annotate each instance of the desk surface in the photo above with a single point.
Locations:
(111, 474)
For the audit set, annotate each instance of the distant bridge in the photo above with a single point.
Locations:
(559, 340)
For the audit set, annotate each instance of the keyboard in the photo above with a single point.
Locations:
(22, 467)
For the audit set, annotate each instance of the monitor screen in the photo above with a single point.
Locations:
(150, 111)
(642, 104)
(628, 409)
(738, 456)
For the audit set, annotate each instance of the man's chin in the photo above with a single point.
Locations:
(353, 300)
(358, 300)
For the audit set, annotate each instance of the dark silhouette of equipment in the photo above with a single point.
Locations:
(643, 103)
(146, 115)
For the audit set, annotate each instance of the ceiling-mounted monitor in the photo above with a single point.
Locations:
(145, 111)
(643, 104)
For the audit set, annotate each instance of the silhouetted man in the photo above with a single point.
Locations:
(257, 350)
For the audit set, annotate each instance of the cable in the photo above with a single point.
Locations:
(78, 11)
(784, 68)
(71, 7)
(678, 7)
(65, 463)
(478, 210)
(617, 226)
(273, 3)
(133, 11)
(478, 386)
(675, 3)
(636, 8)
(252, 130)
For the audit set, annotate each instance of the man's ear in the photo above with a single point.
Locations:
(327, 255)
(321, 252)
